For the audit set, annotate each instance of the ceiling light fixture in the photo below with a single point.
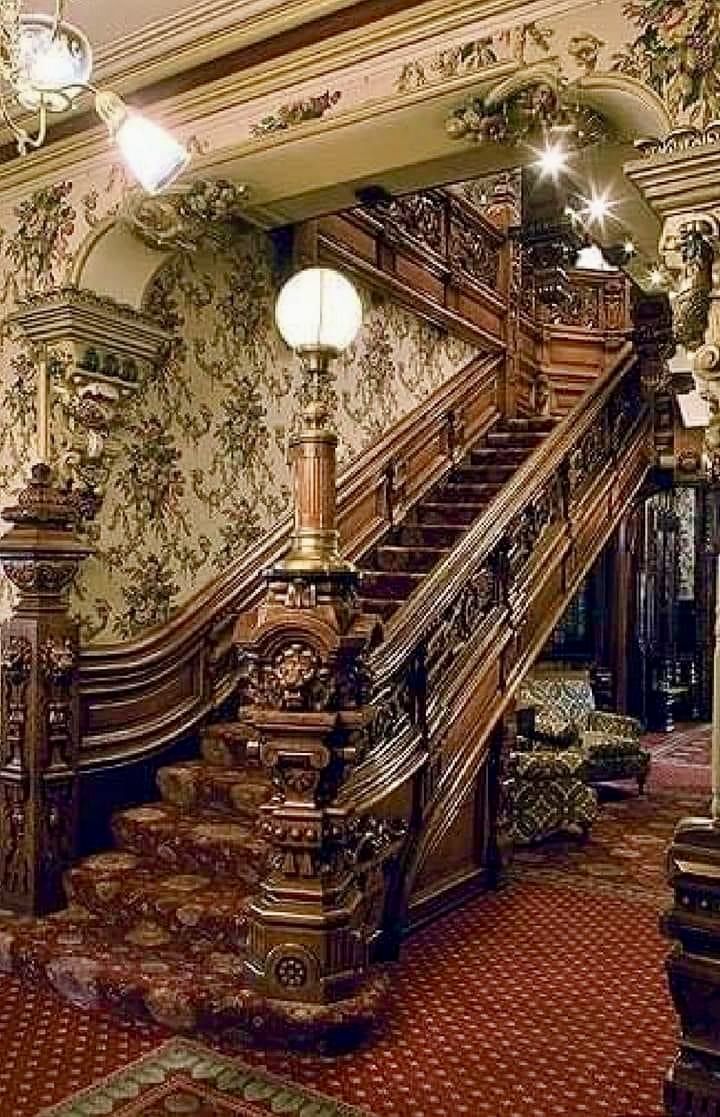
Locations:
(656, 277)
(45, 68)
(629, 248)
(598, 208)
(552, 160)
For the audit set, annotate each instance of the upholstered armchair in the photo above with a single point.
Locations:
(565, 715)
(547, 793)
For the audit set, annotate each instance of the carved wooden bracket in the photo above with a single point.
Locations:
(98, 355)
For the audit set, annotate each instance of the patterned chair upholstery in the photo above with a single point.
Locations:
(547, 793)
(565, 715)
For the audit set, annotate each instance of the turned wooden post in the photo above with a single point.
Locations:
(40, 554)
(503, 210)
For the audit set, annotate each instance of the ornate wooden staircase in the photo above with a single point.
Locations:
(469, 582)
(394, 568)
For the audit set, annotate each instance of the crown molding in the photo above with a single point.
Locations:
(676, 182)
(194, 36)
(359, 50)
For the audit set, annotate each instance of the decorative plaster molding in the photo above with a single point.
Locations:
(679, 181)
(358, 53)
(186, 214)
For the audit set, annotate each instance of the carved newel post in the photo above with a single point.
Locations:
(303, 655)
(40, 554)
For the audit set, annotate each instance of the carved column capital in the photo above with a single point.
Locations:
(98, 355)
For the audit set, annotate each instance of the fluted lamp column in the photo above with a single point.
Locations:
(318, 313)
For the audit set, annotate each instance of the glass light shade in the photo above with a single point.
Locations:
(591, 258)
(55, 63)
(152, 154)
(318, 309)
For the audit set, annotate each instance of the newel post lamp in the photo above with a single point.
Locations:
(318, 314)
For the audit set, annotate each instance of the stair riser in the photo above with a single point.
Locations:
(483, 475)
(464, 493)
(503, 442)
(185, 920)
(424, 535)
(200, 850)
(437, 514)
(383, 609)
(537, 424)
(398, 560)
(208, 995)
(375, 584)
(508, 456)
(201, 788)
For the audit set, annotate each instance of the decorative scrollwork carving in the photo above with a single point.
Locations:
(186, 214)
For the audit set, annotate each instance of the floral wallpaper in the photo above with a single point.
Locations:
(199, 468)
(202, 470)
(676, 51)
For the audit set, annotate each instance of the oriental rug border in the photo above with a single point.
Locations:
(221, 1084)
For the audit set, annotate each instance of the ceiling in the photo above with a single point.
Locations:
(104, 21)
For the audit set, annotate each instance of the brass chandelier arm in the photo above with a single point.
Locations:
(23, 138)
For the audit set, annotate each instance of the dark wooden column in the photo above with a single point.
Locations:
(40, 554)
(619, 604)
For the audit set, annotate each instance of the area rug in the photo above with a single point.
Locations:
(680, 760)
(183, 1077)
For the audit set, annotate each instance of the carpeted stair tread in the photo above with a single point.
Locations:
(381, 584)
(480, 475)
(201, 841)
(227, 745)
(478, 493)
(383, 607)
(535, 423)
(137, 898)
(499, 441)
(200, 990)
(194, 784)
(454, 512)
(442, 536)
(511, 457)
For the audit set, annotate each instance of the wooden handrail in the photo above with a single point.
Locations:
(137, 696)
(458, 644)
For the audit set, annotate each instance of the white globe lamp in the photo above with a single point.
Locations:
(318, 311)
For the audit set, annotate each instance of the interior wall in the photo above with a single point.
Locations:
(198, 465)
(201, 469)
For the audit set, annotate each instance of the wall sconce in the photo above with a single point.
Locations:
(45, 68)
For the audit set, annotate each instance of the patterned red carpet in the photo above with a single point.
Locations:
(547, 999)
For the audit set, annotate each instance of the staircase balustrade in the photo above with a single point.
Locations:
(453, 655)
